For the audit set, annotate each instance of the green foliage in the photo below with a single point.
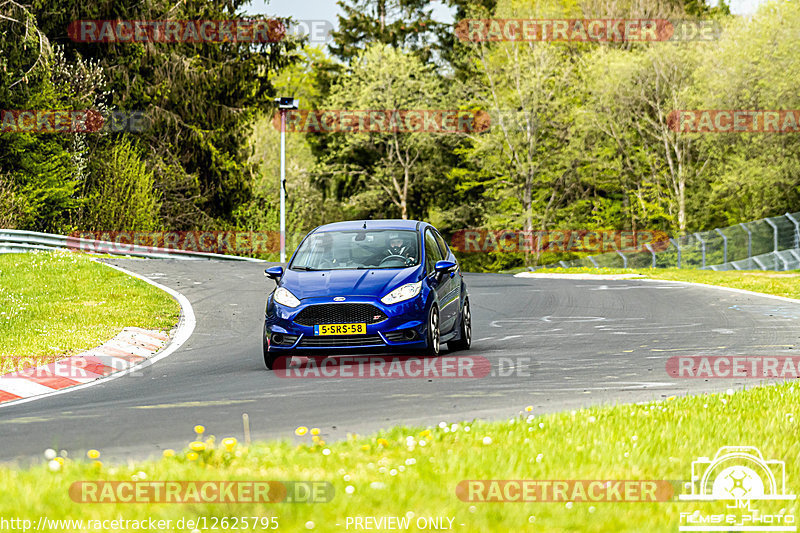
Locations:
(122, 194)
(200, 99)
(39, 173)
(579, 138)
(754, 66)
(380, 170)
(401, 24)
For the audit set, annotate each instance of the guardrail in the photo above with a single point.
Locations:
(766, 244)
(18, 241)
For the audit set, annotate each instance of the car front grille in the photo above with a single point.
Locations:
(341, 340)
(314, 315)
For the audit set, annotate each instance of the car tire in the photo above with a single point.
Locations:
(465, 341)
(433, 347)
(269, 358)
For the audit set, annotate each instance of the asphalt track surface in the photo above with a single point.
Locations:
(572, 343)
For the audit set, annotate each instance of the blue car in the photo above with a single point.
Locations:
(377, 285)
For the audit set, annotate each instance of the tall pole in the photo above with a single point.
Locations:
(283, 185)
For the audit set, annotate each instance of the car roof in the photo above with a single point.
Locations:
(396, 224)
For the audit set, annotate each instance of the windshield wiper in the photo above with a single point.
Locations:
(308, 269)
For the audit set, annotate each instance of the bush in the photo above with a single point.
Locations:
(122, 194)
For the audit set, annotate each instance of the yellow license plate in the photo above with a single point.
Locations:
(340, 329)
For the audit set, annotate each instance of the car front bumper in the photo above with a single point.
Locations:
(404, 328)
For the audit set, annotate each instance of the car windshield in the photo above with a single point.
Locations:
(357, 249)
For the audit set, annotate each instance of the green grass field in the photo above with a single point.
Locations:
(57, 304)
(778, 283)
(413, 472)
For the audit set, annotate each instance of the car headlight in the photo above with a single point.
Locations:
(284, 297)
(400, 294)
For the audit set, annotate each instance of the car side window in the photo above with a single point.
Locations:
(432, 252)
(442, 244)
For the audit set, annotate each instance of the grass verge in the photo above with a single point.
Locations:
(413, 472)
(57, 304)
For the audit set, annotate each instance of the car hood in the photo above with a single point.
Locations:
(330, 283)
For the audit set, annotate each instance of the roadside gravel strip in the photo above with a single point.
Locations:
(129, 351)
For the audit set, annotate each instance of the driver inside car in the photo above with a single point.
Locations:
(399, 247)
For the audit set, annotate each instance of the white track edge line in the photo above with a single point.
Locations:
(720, 287)
(184, 330)
(729, 289)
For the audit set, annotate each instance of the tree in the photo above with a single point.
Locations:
(401, 24)
(38, 173)
(122, 195)
(306, 207)
(527, 89)
(754, 66)
(634, 93)
(200, 98)
(380, 167)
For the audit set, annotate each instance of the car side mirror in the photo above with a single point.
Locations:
(444, 267)
(275, 272)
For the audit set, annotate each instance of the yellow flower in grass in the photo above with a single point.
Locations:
(365, 447)
(92, 454)
(97, 464)
(59, 460)
(315, 438)
(383, 442)
(529, 408)
(169, 452)
(229, 443)
(197, 446)
(426, 433)
(302, 430)
(315, 431)
(199, 429)
(192, 456)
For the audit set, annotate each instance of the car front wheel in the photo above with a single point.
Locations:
(434, 334)
(466, 330)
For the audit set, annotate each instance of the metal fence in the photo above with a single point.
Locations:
(766, 244)
(14, 241)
